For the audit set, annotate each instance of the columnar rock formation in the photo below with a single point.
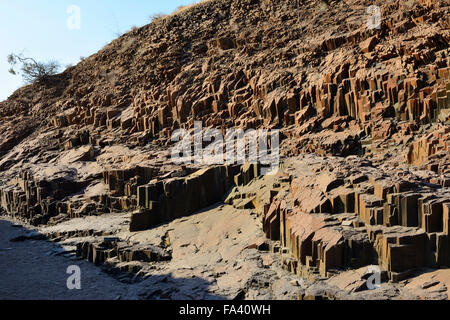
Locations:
(331, 219)
(371, 104)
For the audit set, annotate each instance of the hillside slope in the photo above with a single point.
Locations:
(372, 105)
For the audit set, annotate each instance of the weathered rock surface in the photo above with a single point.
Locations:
(341, 213)
(364, 122)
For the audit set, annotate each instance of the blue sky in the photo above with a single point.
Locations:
(39, 28)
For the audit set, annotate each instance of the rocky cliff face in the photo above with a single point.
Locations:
(363, 114)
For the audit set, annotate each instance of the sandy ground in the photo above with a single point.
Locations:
(29, 271)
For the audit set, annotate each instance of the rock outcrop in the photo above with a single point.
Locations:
(364, 124)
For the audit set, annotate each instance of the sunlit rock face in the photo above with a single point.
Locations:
(364, 175)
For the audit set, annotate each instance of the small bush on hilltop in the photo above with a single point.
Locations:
(157, 17)
(30, 69)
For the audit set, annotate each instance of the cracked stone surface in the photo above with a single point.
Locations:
(364, 177)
